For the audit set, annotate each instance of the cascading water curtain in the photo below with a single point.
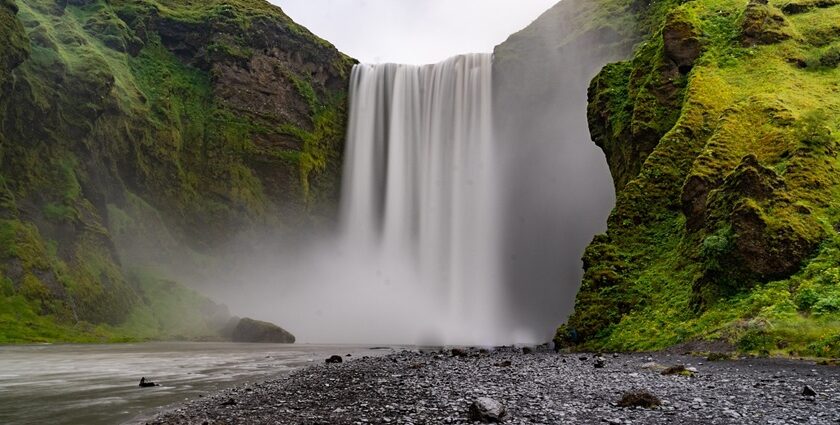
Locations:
(419, 188)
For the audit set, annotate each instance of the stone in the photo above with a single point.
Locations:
(600, 362)
(809, 392)
(487, 410)
(334, 360)
(147, 384)
(255, 331)
(678, 370)
(639, 398)
(458, 352)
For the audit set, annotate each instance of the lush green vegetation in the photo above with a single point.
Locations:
(123, 121)
(728, 227)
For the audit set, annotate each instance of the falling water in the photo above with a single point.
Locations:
(418, 197)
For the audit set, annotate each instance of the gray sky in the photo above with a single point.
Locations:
(413, 31)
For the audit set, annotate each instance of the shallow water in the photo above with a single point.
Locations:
(98, 384)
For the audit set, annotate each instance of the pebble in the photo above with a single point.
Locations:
(539, 388)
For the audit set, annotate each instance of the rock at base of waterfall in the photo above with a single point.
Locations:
(487, 410)
(255, 331)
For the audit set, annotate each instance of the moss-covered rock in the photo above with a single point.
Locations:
(255, 331)
(764, 24)
(724, 225)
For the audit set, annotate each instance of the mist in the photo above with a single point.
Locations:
(444, 237)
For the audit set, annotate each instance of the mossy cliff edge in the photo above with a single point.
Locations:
(722, 133)
(132, 130)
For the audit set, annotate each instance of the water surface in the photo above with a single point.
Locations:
(98, 384)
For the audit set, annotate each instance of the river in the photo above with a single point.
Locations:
(98, 384)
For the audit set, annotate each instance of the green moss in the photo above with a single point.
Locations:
(702, 246)
(109, 112)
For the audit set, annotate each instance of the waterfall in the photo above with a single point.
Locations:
(419, 199)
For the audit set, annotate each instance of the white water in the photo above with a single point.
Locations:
(418, 204)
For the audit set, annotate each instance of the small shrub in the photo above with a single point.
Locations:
(718, 357)
(756, 340)
(806, 299)
(715, 247)
(812, 129)
(826, 347)
(827, 305)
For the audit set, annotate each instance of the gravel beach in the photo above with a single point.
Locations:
(540, 387)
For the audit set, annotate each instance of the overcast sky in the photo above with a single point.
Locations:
(413, 31)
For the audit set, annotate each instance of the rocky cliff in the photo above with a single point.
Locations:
(722, 136)
(133, 131)
(540, 78)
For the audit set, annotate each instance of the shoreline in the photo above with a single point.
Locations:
(539, 387)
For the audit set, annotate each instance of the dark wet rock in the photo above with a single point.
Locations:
(506, 363)
(458, 352)
(487, 410)
(809, 392)
(639, 398)
(527, 350)
(229, 402)
(334, 360)
(600, 362)
(255, 331)
(147, 384)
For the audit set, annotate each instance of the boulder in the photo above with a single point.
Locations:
(334, 360)
(486, 410)
(678, 370)
(147, 384)
(639, 398)
(255, 331)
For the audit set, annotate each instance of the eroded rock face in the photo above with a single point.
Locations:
(769, 237)
(255, 331)
(14, 46)
(682, 42)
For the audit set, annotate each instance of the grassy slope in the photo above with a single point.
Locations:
(100, 117)
(665, 274)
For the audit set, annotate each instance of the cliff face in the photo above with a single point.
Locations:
(722, 136)
(540, 78)
(131, 130)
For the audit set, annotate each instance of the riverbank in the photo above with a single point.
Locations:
(98, 384)
(538, 387)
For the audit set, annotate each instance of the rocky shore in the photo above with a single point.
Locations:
(534, 387)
